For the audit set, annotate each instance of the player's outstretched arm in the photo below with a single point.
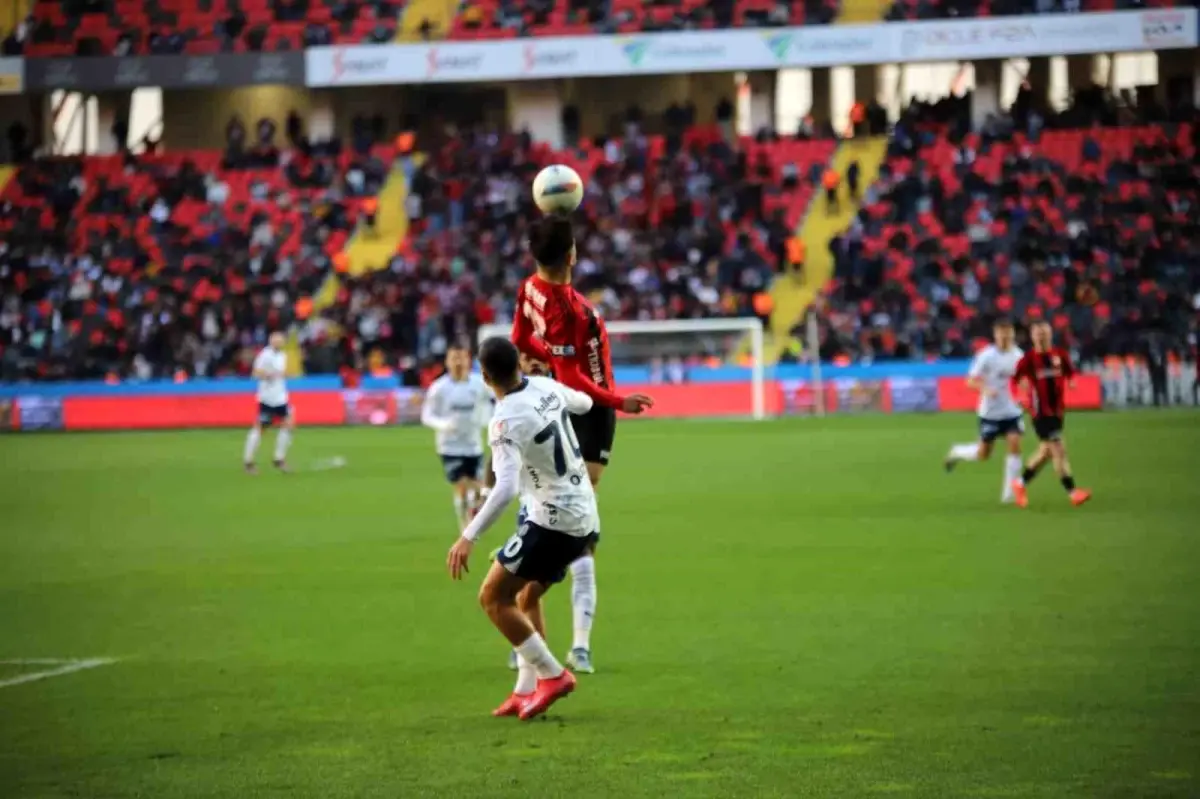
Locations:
(506, 463)
(429, 414)
(578, 403)
(570, 375)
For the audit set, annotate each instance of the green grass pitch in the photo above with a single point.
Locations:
(803, 608)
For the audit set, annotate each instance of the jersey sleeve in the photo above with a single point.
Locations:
(506, 464)
(978, 365)
(1023, 369)
(577, 402)
(430, 416)
(260, 362)
(1068, 366)
(524, 337)
(567, 371)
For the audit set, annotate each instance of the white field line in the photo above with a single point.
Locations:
(61, 667)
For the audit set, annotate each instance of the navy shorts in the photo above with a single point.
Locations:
(1048, 428)
(541, 555)
(269, 414)
(991, 429)
(461, 467)
(595, 431)
(592, 542)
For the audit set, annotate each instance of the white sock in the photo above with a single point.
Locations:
(965, 452)
(583, 600)
(283, 440)
(460, 511)
(252, 439)
(535, 652)
(1012, 471)
(526, 677)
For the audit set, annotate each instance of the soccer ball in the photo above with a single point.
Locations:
(558, 189)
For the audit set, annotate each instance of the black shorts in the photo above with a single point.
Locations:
(1049, 428)
(595, 431)
(991, 429)
(461, 467)
(541, 555)
(269, 414)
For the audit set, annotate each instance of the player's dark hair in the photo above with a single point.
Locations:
(500, 361)
(551, 239)
(1003, 321)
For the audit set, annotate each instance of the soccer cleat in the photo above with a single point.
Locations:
(548, 692)
(251, 468)
(949, 463)
(513, 665)
(581, 660)
(1020, 495)
(282, 466)
(512, 705)
(1080, 496)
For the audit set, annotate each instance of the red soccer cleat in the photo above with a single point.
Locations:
(1080, 496)
(1020, 495)
(512, 705)
(548, 692)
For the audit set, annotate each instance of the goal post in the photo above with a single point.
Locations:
(683, 351)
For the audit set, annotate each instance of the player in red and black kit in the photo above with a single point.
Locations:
(1048, 369)
(556, 327)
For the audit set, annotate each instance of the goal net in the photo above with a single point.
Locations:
(692, 367)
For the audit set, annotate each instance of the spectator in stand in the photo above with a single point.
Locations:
(1105, 248)
(830, 181)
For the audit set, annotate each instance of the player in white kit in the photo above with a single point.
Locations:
(534, 454)
(991, 374)
(270, 370)
(458, 406)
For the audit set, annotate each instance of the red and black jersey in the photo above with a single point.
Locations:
(1048, 372)
(555, 324)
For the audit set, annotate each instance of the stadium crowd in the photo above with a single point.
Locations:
(154, 265)
(1089, 218)
(163, 27)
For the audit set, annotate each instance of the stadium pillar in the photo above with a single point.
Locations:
(822, 96)
(111, 107)
(1178, 77)
(986, 98)
(762, 100)
(1038, 78)
(537, 106)
(322, 116)
(866, 83)
(1081, 72)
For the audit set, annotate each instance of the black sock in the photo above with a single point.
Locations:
(1068, 482)
(1030, 473)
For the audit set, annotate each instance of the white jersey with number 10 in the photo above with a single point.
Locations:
(531, 429)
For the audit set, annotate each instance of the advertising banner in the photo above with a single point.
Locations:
(376, 408)
(215, 403)
(408, 403)
(39, 413)
(12, 75)
(741, 49)
(910, 394)
(165, 71)
(955, 395)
